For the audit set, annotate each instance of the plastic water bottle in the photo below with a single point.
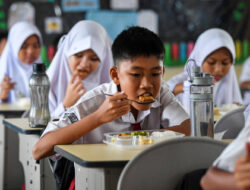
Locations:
(39, 84)
(201, 103)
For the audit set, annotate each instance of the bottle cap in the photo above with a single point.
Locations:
(39, 67)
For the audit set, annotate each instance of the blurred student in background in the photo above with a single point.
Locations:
(245, 81)
(81, 63)
(22, 50)
(214, 52)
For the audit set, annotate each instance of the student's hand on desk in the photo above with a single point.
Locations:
(113, 107)
(6, 85)
(242, 170)
(75, 90)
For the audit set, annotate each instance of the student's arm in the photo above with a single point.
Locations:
(245, 84)
(240, 179)
(112, 108)
(178, 89)
(176, 82)
(184, 128)
(218, 179)
(242, 170)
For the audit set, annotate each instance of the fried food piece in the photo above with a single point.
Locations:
(82, 74)
(145, 140)
(123, 134)
(146, 98)
(216, 111)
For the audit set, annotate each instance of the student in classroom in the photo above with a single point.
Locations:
(231, 170)
(81, 63)
(138, 73)
(214, 52)
(20, 53)
(245, 81)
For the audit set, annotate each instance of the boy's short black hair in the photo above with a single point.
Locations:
(137, 41)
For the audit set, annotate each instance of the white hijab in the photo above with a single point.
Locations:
(226, 91)
(245, 76)
(9, 62)
(84, 35)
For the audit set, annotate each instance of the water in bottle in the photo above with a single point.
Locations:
(39, 84)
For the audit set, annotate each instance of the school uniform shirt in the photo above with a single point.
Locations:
(226, 161)
(84, 35)
(10, 64)
(226, 91)
(166, 111)
(245, 76)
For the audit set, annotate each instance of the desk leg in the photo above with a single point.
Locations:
(96, 178)
(38, 176)
(11, 172)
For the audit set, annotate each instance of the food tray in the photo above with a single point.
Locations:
(138, 139)
(225, 108)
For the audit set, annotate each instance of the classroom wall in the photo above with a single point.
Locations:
(178, 22)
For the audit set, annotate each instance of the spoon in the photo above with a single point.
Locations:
(138, 102)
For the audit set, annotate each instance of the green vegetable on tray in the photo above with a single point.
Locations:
(139, 133)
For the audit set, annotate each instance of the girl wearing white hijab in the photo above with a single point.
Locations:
(21, 51)
(81, 63)
(214, 52)
(245, 80)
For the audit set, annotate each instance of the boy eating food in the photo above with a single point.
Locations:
(138, 73)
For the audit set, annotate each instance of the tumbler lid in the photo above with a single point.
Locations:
(39, 67)
(204, 79)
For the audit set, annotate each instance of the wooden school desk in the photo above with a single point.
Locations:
(9, 149)
(12, 109)
(38, 176)
(97, 166)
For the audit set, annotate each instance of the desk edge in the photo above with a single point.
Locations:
(89, 164)
(27, 132)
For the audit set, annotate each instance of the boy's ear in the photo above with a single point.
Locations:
(114, 75)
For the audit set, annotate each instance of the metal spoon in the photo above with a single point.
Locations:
(138, 102)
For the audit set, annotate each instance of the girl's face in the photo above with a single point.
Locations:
(30, 50)
(218, 63)
(84, 63)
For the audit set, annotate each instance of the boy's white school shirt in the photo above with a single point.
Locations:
(226, 161)
(166, 111)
